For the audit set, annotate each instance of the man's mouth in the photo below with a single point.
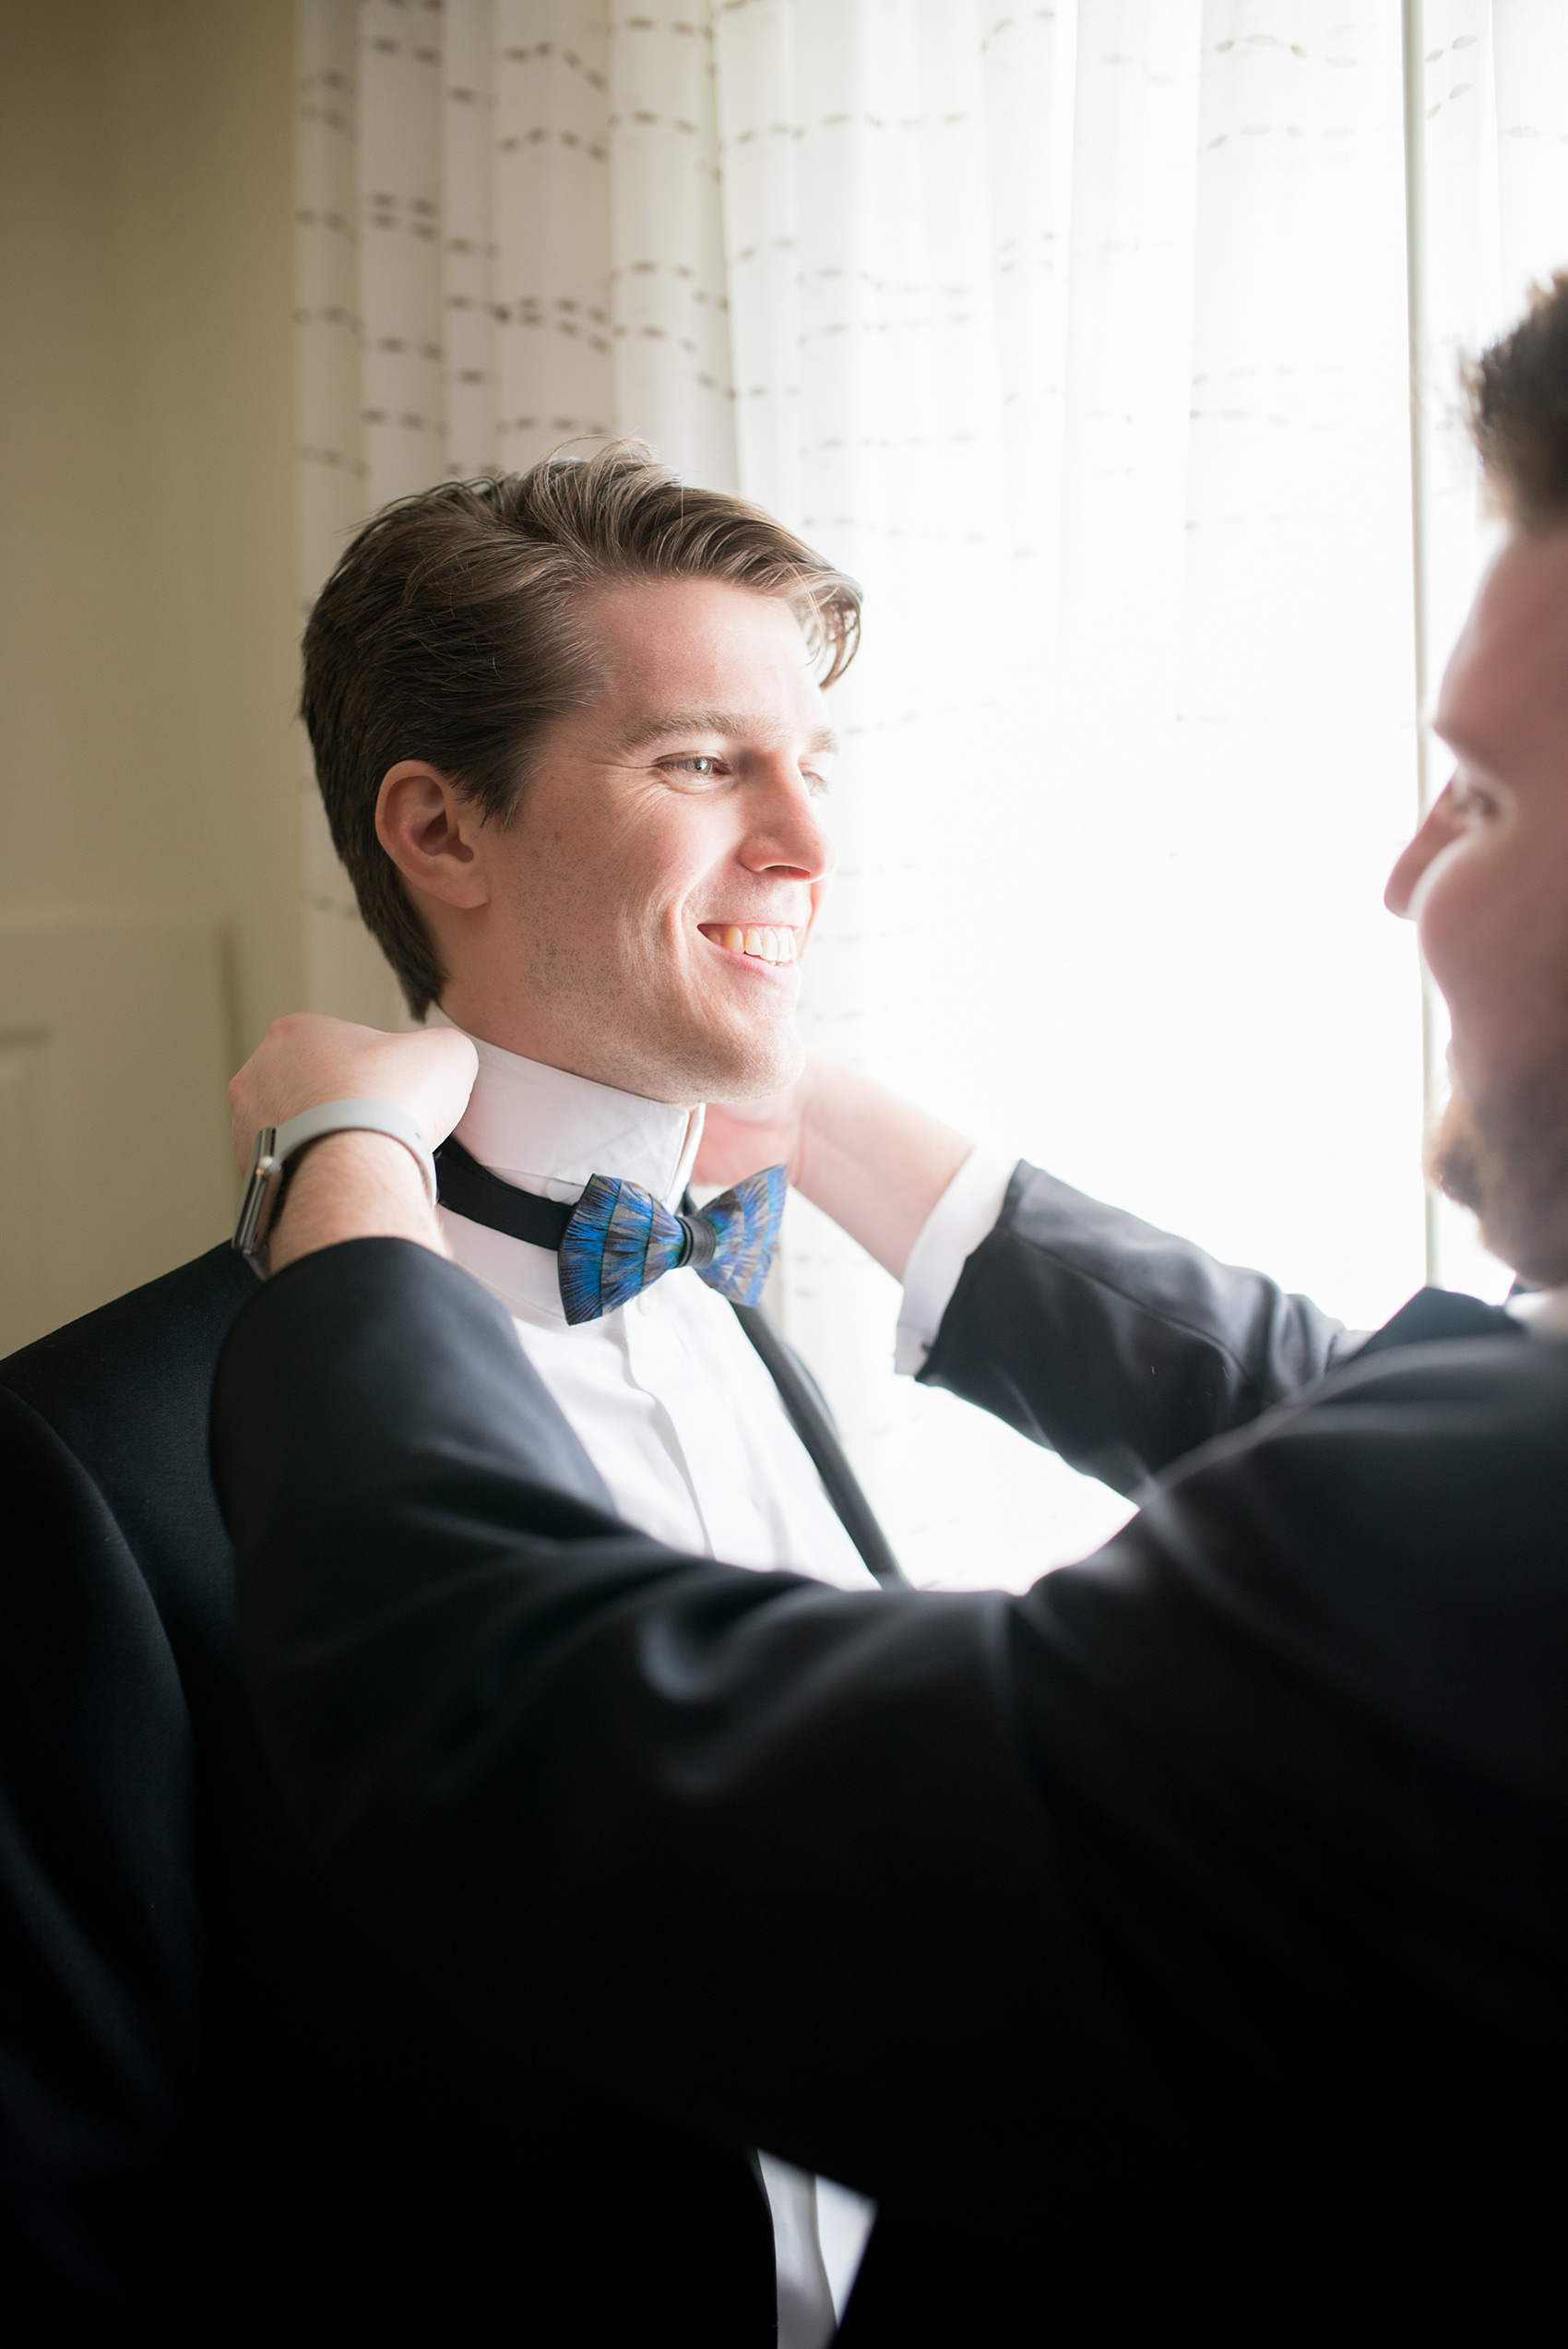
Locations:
(761, 941)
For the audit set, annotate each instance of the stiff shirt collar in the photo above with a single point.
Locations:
(1544, 1312)
(548, 1131)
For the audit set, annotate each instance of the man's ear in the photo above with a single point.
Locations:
(432, 834)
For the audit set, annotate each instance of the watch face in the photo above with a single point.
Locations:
(261, 1183)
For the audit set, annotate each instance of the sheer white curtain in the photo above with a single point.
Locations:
(1082, 336)
(507, 237)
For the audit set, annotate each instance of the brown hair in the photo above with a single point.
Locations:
(449, 632)
(1518, 399)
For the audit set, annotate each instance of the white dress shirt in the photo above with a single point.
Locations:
(677, 1413)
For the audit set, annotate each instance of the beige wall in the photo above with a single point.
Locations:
(147, 616)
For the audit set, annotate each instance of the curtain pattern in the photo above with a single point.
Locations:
(1078, 333)
(478, 285)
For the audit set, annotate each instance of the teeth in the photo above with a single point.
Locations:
(760, 940)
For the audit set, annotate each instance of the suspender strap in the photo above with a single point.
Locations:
(812, 1425)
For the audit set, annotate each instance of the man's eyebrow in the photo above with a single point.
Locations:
(730, 724)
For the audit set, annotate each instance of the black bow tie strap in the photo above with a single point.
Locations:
(471, 1190)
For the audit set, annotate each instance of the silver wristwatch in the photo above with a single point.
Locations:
(277, 1145)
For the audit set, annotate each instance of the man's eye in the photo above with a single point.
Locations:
(701, 763)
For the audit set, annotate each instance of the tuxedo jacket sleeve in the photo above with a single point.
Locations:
(227, 2110)
(1120, 1346)
(1215, 1886)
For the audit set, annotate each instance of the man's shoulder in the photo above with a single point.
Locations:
(1399, 1533)
(133, 1379)
(1455, 1448)
(1454, 1439)
(1500, 1369)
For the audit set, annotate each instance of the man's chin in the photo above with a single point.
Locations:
(716, 1062)
(1512, 1173)
(765, 1068)
(752, 1070)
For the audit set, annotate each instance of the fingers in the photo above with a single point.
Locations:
(306, 1058)
(450, 1081)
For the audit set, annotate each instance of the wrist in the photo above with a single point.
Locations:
(357, 1185)
(871, 1162)
(820, 1081)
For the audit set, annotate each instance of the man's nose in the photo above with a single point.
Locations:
(1439, 826)
(787, 828)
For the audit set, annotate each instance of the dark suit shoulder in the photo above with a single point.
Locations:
(1501, 1358)
(1403, 1532)
(127, 1392)
(174, 1325)
(139, 1371)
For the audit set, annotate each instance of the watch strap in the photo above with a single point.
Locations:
(277, 1145)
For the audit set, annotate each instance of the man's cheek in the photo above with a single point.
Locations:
(1455, 910)
(1495, 1008)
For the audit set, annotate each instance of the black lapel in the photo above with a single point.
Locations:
(809, 1417)
(1435, 1315)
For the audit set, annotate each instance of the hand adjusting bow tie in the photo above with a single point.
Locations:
(619, 1239)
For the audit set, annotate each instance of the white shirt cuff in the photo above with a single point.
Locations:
(966, 1210)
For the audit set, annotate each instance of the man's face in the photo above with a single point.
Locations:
(1486, 879)
(649, 903)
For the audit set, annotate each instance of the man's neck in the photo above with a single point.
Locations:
(544, 1052)
(549, 1129)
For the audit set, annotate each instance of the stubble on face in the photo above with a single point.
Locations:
(1510, 1168)
(613, 969)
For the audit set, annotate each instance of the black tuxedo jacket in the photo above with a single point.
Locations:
(223, 2105)
(1187, 1936)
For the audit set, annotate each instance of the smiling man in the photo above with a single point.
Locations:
(571, 732)
(572, 736)
(1188, 1941)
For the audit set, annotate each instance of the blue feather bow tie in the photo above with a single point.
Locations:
(619, 1239)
